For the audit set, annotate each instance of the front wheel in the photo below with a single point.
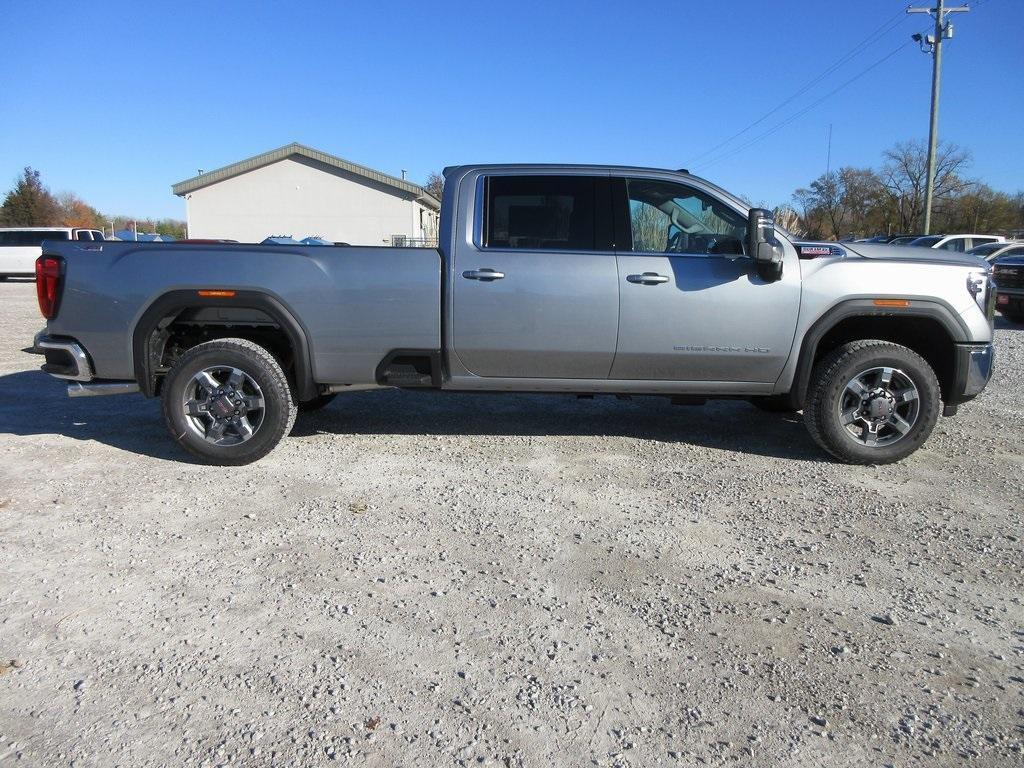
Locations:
(228, 402)
(872, 402)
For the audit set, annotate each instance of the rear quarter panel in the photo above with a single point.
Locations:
(355, 304)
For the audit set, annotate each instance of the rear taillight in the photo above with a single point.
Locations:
(48, 269)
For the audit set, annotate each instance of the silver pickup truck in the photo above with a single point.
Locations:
(572, 279)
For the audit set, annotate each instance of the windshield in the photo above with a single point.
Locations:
(925, 242)
(985, 250)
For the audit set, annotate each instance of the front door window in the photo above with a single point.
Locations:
(666, 217)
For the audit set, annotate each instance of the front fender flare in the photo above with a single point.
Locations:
(865, 307)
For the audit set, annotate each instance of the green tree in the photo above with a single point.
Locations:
(30, 204)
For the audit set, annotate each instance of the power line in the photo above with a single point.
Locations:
(873, 37)
(802, 112)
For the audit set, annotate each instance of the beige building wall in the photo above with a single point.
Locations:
(301, 197)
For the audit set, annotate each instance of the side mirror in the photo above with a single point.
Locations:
(762, 245)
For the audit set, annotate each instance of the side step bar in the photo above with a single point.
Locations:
(77, 389)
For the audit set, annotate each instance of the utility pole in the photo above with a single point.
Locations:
(933, 44)
(828, 157)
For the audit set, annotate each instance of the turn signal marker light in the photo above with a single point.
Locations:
(891, 303)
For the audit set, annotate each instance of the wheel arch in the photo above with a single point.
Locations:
(930, 328)
(150, 334)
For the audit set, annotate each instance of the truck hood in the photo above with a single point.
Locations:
(914, 253)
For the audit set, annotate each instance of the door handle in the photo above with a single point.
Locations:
(647, 278)
(484, 274)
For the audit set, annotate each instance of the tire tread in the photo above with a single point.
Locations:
(271, 367)
(815, 412)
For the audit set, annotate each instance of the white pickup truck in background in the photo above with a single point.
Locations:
(20, 246)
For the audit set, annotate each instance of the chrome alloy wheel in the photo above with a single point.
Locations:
(879, 406)
(223, 405)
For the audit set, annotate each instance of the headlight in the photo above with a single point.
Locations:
(979, 285)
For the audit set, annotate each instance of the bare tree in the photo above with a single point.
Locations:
(435, 184)
(905, 176)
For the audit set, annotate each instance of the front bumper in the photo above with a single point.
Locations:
(65, 357)
(974, 366)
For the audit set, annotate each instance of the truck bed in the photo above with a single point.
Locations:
(355, 304)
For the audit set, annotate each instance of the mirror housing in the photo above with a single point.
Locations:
(762, 245)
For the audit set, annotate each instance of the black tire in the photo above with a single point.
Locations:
(773, 404)
(828, 388)
(320, 401)
(260, 369)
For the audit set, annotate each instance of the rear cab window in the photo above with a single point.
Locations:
(543, 213)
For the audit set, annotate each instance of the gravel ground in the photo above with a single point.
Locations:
(426, 579)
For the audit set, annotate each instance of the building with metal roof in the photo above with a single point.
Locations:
(304, 192)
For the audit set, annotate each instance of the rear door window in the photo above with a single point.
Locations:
(956, 244)
(83, 234)
(540, 213)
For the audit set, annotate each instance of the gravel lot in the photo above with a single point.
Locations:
(425, 579)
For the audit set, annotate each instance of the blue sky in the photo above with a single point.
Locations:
(117, 101)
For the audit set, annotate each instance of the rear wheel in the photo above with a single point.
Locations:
(872, 402)
(228, 402)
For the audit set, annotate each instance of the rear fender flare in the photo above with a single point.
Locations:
(172, 303)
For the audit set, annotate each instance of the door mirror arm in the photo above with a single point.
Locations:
(762, 245)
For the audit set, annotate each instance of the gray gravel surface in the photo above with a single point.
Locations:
(427, 579)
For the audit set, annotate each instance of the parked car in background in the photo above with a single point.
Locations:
(991, 252)
(1008, 274)
(20, 246)
(885, 238)
(959, 243)
(903, 240)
